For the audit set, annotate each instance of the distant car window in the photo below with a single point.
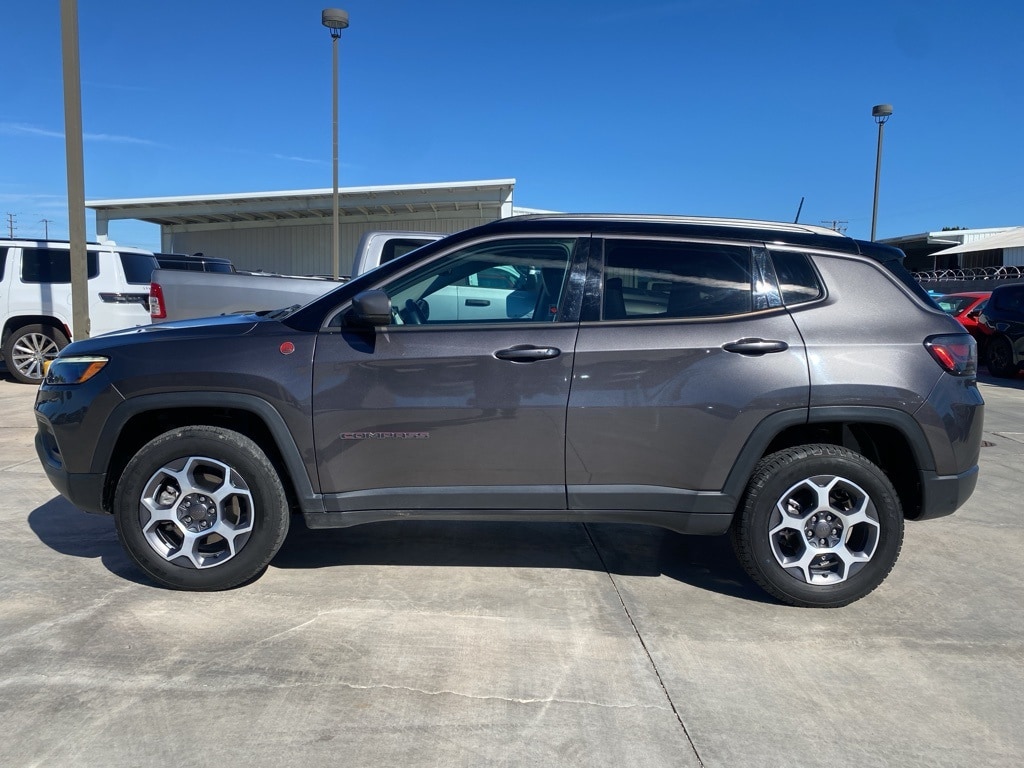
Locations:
(399, 247)
(656, 280)
(1008, 298)
(138, 267)
(954, 304)
(53, 265)
(3, 261)
(194, 263)
(798, 281)
(504, 281)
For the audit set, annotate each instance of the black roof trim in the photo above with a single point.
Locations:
(677, 226)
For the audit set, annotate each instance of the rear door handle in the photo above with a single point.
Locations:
(526, 353)
(478, 302)
(755, 347)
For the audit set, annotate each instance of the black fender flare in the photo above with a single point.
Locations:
(308, 499)
(767, 430)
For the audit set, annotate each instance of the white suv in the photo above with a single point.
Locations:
(35, 298)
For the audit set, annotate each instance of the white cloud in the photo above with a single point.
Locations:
(296, 159)
(23, 129)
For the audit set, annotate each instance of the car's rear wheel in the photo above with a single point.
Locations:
(819, 526)
(201, 508)
(27, 349)
(999, 358)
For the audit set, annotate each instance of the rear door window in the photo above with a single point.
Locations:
(650, 279)
(53, 265)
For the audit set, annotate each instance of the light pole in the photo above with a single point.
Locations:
(335, 20)
(881, 113)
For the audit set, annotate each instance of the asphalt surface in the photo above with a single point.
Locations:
(479, 644)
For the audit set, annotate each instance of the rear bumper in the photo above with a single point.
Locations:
(944, 494)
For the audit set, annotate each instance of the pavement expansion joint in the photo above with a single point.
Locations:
(643, 644)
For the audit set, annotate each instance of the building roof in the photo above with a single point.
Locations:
(310, 203)
(1013, 238)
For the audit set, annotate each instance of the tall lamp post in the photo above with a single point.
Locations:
(335, 20)
(881, 113)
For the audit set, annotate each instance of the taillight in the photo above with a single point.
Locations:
(157, 309)
(956, 353)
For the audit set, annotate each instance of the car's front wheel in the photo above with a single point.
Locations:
(201, 508)
(819, 526)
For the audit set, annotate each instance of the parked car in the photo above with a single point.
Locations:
(780, 382)
(196, 262)
(1003, 321)
(967, 307)
(35, 298)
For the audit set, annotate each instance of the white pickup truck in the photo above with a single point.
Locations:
(176, 294)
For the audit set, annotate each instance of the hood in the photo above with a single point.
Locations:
(222, 326)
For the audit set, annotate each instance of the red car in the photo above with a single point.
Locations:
(966, 307)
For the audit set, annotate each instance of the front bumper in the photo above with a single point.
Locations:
(84, 490)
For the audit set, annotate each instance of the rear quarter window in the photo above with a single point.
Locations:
(138, 267)
(798, 281)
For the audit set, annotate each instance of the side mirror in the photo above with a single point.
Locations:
(371, 308)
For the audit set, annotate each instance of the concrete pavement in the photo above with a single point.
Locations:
(478, 644)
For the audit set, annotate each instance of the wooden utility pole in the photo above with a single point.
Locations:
(76, 168)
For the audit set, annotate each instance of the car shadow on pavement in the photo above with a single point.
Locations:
(1015, 383)
(68, 530)
(706, 562)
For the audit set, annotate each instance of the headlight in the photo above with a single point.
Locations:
(73, 370)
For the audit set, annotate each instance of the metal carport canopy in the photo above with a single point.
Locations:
(1011, 239)
(445, 197)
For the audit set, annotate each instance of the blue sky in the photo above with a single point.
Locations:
(704, 107)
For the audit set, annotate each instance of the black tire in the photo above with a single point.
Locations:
(999, 358)
(800, 557)
(176, 531)
(28, 347)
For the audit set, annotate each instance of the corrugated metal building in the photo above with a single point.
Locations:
(290, 232)
(1000, 249)
(962, 248)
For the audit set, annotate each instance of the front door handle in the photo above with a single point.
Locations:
(755, 347)
(478, 302)
(526, 353)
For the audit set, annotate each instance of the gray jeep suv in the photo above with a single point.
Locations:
(782, 383)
